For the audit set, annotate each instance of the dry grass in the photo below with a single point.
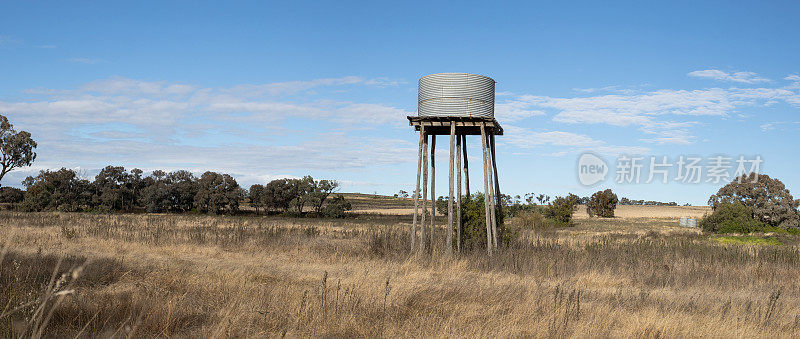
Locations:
(650, 212)
(187, 276)
(396, 207)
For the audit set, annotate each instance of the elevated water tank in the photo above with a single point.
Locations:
(456, 95)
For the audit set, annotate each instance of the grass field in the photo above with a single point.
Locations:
(190, 275)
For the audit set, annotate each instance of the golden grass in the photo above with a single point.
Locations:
(650, 212)
(189, 276)
(622, 211)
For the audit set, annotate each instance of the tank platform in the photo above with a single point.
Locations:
(440, 125)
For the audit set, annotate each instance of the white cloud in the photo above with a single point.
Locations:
(793, 77)
(120, 85)
(360, 114)
(619, 150)
(384, 82)
(6, 41)
(666, 114)
(87, 61)
(294, 87)
(780, 125)
(635, 109)
(157, 124)
(741, 77)
(525, 138)
(611, 89)
(514, 110)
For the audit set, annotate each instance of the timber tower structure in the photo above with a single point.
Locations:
(458, 105)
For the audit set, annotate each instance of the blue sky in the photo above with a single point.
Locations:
(270, 89)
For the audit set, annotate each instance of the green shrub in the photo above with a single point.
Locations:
(336, 207)
(11, 195)
(602, 204)
(473, 216)
(732, 218)
(534, 219)
(560, 210)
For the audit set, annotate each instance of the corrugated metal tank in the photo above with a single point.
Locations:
(456, 95)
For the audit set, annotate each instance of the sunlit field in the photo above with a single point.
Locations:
(71, 274)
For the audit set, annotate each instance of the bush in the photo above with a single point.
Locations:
(217, 193)
(336, 208)
(473, 216)
(51, 190)
(534, 219)
(441, 205)
(11, 195)
(732, 218)
(768, 198)
(602, 204)
(560, 210)
(278, 194)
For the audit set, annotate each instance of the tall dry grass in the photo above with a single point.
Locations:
(187, 276)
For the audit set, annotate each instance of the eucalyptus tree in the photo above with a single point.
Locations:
(17, 148)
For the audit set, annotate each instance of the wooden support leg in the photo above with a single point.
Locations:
(486, 196)
(424, 192)
(416, 192)
(466, 164)
(449, 242)
(492, 196)
(496, 179)
(433, 187)
(459, 226)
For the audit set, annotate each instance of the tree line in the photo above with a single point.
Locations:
(116, 189)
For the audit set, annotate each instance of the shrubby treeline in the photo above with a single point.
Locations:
(117, 189)
(532, 198)
(295, 195)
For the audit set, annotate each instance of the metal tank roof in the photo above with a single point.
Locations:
(456, 95)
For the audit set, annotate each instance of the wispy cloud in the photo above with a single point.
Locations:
(158, 124)
(780, 125)
(294, 87)
(126, 86)
(741, 77)
(667, 115)
(7, 41)
(525, 138)
(86, 61)
(514, 110)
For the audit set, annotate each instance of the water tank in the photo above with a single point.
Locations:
(456, 95)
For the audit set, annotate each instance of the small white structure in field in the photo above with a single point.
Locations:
(687, 222)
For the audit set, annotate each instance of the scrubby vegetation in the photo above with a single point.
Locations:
(11, 195)
(602, 204)
(560, 210)
(732, 218)
(115, 189)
